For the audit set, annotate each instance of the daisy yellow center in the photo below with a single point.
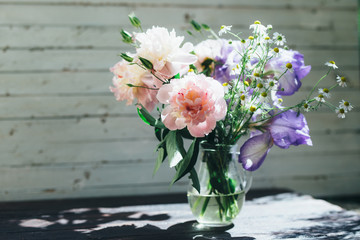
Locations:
(251, 37)
(346, 104)
(341, 110)
(257, 22)
(306, 105)
(343, 79)
(256, 74)
(264, 94)
(321, 96)
(271, 84)
(259, 85)
(252, 109)
(289, 65)
(326, 90)
(225, 84)
(332, 62)
(242, 97)
(276, 50)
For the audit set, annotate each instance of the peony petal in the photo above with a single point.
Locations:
(164, 92)
(253, 152)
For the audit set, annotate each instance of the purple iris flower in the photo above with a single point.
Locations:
(225, 62)
(288, 128)
(290, 82)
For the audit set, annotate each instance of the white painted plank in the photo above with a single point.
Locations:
(113, 15)
(94, 151)
(73, 130)
(63, 60)
(200, 3)
(109, 37)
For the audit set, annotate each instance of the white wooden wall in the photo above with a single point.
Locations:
(62, 134)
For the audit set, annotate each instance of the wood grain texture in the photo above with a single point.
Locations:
(62, 134)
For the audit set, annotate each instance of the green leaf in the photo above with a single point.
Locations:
(190, 33)
(146, 63)
(174, 147)
(158, 133)
(160, 159)
(126, 57)
(188, 162)
(195, 180)
(177, 76)
(196, 25)
(146, 116)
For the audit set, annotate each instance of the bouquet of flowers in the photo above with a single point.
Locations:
(217, 92)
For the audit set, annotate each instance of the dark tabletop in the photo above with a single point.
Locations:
(265, 215)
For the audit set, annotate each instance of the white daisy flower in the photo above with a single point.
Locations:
(271, 84)
(258, 27)
(306, 107)
(340, 112)
(341, 81)
(320, 98)
(235, 71)
(345, 105)
(325, 92)
(264, 97)
(331, 64)
(279, 39)
(224, 29)
(269, 27)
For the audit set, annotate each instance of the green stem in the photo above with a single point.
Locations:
(313, 89)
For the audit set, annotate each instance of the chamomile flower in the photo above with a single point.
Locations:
(340, 112)
(306, 107)
(271, 84)
(325, 92)
(269, 27)
(258, 27)
(320, 98)
(264, 97)
(341, 81)
(224, 29)
(235, 71)
(345, 105)
(279, 39)
(331, 64)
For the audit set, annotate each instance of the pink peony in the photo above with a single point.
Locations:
(162, 49)
(195, 102)
(124, 74)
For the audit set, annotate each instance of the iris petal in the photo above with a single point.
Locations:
(253, 152)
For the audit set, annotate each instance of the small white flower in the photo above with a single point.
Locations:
(279, 39)
(340, 112)
(264, 97)
(269, 27)
(271, 84)
(306, 107)
(331, 64)
(235, 71)
(258, 27)
(325, 92)
(341, 81)
(320, 98)
(345, 105)
(226, 87)
(224, 29)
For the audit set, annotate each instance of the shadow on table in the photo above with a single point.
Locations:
(97, 224)
(328, 227)
(186, 230)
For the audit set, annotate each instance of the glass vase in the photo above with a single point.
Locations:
(223, 185)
